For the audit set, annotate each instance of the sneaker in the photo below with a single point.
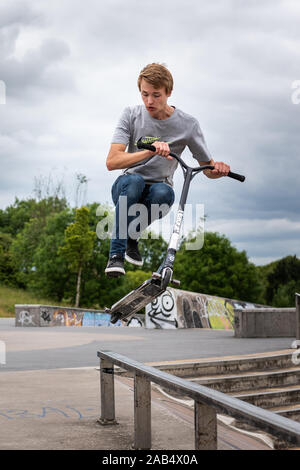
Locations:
(115, 266)
(132, 254)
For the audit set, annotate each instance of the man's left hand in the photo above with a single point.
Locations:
(221, 169)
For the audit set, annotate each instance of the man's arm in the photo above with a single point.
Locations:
(118, 159)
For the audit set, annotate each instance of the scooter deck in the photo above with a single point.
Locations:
(135, 300)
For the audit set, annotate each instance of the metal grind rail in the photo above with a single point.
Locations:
(208, 403)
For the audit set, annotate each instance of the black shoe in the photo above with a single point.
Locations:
(132, 254)
(115, 266)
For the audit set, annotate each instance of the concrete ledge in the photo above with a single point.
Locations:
(50, 315)
(265, 322)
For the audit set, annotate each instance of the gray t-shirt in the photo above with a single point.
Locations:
(179, 130)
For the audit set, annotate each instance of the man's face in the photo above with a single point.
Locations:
(155, 99)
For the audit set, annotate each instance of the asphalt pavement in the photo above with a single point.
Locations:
(68, 347)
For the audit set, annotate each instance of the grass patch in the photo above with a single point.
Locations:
(9, 296)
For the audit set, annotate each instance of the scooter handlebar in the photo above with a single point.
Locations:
(236, 176)
(142, 145)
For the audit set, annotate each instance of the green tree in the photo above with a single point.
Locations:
(78, 245)
(7, 270)
(98, 291)
(52, 275)
(285, 294)
(153, 250)
(23, 249)
(217, 269)
(134, 279)
(14, 218)
(283, 281)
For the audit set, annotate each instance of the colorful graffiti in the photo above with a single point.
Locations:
(67, 318)
(182, 309)
(47, 316)
(97, 319)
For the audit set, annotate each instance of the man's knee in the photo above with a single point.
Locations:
(133, 185)
(162, 198)
(130, 186)
(162, 193)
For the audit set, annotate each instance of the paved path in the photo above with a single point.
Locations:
(51, 348)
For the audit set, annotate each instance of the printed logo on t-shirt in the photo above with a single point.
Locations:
(149, 140)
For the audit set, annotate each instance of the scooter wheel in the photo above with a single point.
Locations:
(166, 277)
(115, 317)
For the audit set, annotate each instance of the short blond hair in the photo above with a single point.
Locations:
(158, 76)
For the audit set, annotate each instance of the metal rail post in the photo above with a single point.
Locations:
(107, 389)
(142, 412)
(205, 427)
(298, 320)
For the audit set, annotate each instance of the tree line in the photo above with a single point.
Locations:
(52, 249)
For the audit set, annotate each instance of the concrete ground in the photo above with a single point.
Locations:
(50, 394)
(58, 409)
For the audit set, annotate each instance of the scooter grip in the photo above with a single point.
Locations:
(142, 145)
(236, 176)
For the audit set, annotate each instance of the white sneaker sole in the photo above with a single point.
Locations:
(114, 271)
(133, 261)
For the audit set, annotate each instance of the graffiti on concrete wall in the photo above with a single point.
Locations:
(162, 311)
(135, 322)
(26, 319)
(67, 318)
(47, 316)
(97, 319)
(182, 309)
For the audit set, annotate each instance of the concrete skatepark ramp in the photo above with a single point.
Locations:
(183, 309)
(175, 309)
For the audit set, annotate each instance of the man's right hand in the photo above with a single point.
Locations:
(163, 149)
(119, 159)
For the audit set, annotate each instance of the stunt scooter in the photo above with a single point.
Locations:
(154, 287)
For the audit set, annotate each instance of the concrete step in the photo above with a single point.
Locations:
(291, 412)
(229, 365)
(270, 381)
(255, 380)
(270, 398)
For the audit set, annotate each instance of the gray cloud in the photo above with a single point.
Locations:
(19, 13)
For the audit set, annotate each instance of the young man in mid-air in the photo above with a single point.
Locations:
(146, 180)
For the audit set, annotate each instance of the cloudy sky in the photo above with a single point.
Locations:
(70, 67)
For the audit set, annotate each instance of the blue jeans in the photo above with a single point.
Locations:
(130, 189)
